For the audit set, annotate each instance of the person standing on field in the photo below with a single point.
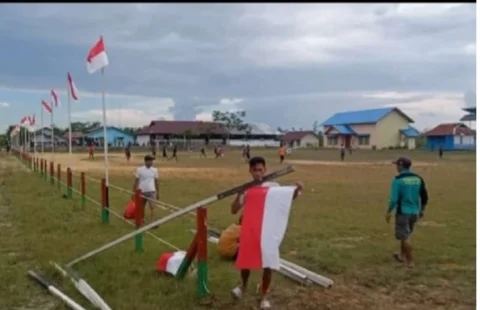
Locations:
(146, 180)
(408, 197)
(91, 150)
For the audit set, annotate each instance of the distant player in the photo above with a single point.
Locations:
(164, 152)
(342, 152)
(128, 154)
(91, 150)
(440, 152)
(281, 153)
(203, 153)
(174, 153)
(218, 152)
(154, 150)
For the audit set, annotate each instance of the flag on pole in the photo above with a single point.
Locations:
(55, 99)
(32, 120)
(97, 57)
(265, 219)
(47, 106)
(72, 88)
(170, 262)
(24, 121)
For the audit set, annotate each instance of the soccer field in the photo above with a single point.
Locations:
(336, 229)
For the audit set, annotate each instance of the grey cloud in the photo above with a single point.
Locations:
(470, 99)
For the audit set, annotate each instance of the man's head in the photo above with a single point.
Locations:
(149, 160)
(402, 163)
(257, 167)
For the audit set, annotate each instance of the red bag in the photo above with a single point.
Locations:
(130, 210)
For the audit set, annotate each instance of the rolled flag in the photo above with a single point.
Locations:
(170, 262)
(72, 88)
(265, 218)
(31, 119)
(47, 106)
(55, 99)
(24, 121)
(97, 57)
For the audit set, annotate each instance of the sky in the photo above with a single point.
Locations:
(286, 65)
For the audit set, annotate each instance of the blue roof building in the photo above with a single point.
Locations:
(370, 129)
(115, 136)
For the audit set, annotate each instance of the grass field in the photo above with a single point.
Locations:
(337, 229)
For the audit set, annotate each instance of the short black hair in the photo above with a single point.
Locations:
(257, 160)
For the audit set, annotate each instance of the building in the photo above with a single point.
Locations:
(115, 136)
(369, 129)
(78, 138)
(257, 135)
(453, 136)
(470, 117)
(44, 135)
(300, 139)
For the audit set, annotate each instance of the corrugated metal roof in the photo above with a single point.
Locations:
(469, 117)
(296, 135)
(450, 130)
(163, 127)
(362, 117)
(410, 132)
(470, 110)
(258, 129)
(344, 129)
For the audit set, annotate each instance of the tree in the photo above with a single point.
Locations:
(316, 126)
(232, 121)
(280, 129)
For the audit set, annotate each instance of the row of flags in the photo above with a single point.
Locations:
(97, 59)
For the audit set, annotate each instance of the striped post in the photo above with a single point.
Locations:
(202, 270)
(69, 183)
(59, 175)
(41, 167)
(45, 166)
(83, 189)
(52, 173)
(189, 257)
(139, 218)
(103, 188)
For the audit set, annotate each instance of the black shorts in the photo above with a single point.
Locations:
(404, 225)
(282, 157)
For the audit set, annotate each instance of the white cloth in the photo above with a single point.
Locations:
(146, 178)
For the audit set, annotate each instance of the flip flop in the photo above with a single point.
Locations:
(398, 258)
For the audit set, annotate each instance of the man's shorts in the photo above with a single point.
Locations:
(150, 197)
(404, 224)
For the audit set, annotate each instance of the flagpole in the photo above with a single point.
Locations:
(69, 123)
(41, 124)
(105, 140)
(53, 132)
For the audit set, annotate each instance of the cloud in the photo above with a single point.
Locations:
(4, 104)
(224, 105)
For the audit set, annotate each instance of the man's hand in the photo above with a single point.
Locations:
(300, 186)
(421, 214)
(388, 216)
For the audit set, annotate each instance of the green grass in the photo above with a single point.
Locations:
(336, 229)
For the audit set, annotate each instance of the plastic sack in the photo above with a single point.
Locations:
(130, 210)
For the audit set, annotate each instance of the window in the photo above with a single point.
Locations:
(364, 140)
(332, 141)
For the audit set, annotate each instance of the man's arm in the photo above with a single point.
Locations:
(423, 196)
(394, 196)
(157, 195)
(237, 204)
(298, 190)
(135, 184)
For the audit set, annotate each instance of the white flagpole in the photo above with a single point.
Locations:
(35, 139)
(105, 140)
(41, 124)
(51, 125)
(69, 123)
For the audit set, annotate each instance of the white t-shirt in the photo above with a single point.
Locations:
(146, 178)
(264, 184)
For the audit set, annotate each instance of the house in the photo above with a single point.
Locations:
(257, 135)
(44, 135)
(77, 137)
(300, 139)
(369, 129)
(115, 136)
(191, 132)
(453, 136)
(470, 117)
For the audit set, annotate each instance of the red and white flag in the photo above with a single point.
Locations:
(31, 119)
(72, 88)
(47, 106)
(15, 130)
(170, 262)
(97, 57)
(265, 219)
(24, 121)
(55, 99)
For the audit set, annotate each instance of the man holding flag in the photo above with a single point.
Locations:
(263, 224)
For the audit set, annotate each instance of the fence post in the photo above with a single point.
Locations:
(83, 189)
(139, 218)
(41, 167)
(202, 270)
(103, 187)
(69, 183)
(45, 175)
(59, 175)
(52, 173)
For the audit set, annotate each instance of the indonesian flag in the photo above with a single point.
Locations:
(47, 106)
(15, 130)
(55, 99)
(170, 262)
(97, 57)
(71, 87)
(265, 219)
(31, 120)
(24, 120)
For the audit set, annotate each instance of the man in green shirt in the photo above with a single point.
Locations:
(409, 198)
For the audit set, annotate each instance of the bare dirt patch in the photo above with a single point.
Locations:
(430, 224)
(353, 163)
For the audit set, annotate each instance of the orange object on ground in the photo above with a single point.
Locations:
(130, 209)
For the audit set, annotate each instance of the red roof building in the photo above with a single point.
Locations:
(451, 136)
(300, 139)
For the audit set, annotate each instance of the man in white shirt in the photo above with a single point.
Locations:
(146, 180)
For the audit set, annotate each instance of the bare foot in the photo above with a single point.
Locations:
(398, 258)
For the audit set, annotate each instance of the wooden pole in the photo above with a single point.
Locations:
(139, 219)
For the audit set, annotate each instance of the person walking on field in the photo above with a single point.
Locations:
(128, 154)
(342, 152)
(440, 152)
(257, 169)
(281, 153)
(91, 150)
(164, 152)
(146, 180)
(174, 153)
(202, 152)
(408, 197)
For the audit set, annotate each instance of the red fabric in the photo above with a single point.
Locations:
(47, 106)
(163, 261)
(55, 98)
(71, 84)
(249, 249)
(96, 49)
(130, 210)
